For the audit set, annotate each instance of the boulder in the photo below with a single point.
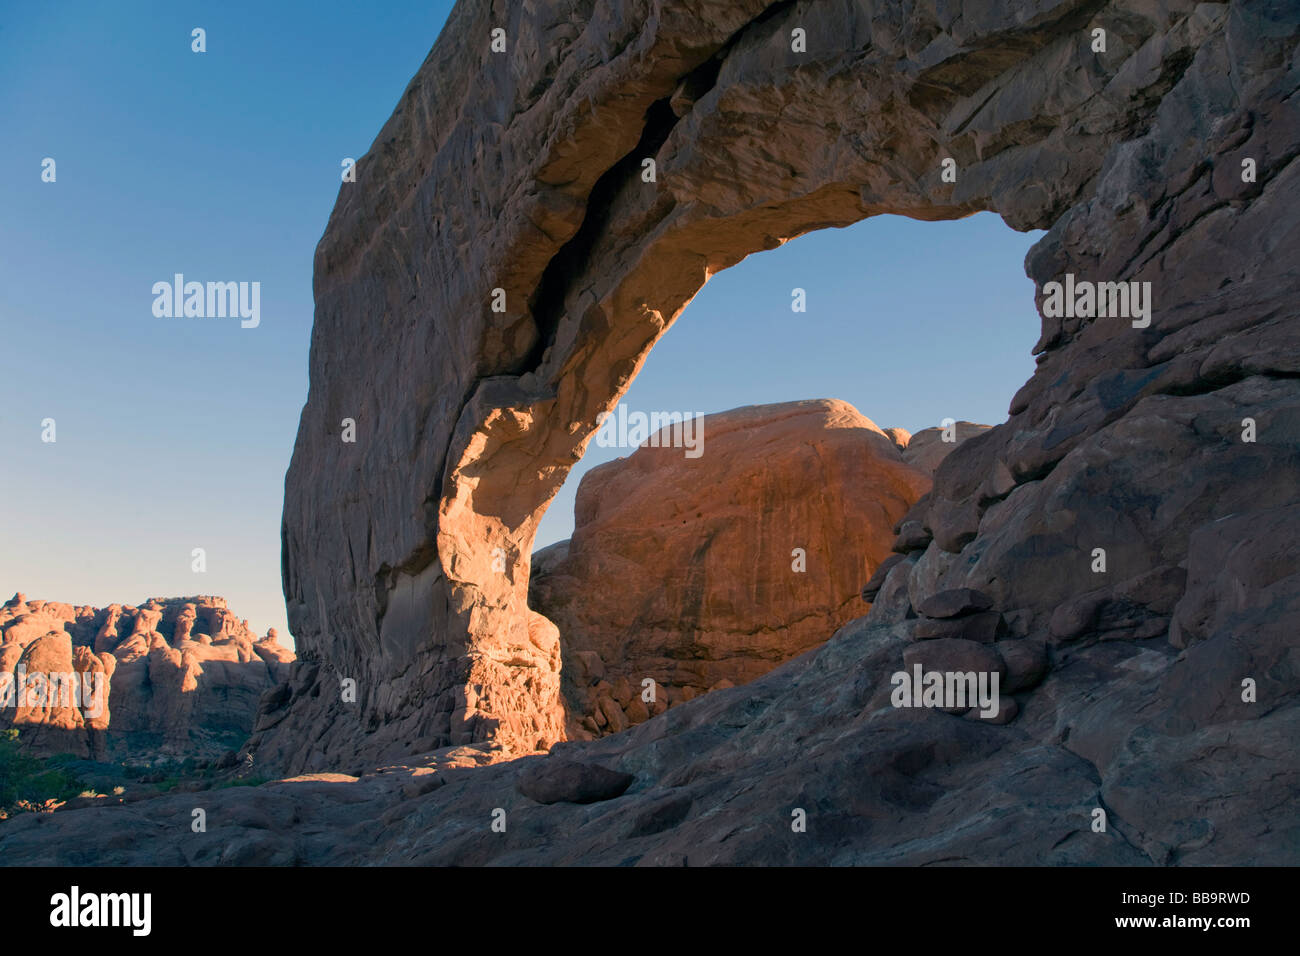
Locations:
(954, 603)
(955, 655)
(1024, 662)
(706, 571)
(983, 628)
(557, 780)
(877, 580)
(929, 447)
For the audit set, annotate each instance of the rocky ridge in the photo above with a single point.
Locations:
(181, 677)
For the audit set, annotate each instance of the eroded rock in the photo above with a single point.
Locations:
(567, 781)
(185, 681)
(707, 572)
(1126, 444)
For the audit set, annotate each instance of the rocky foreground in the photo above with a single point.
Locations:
(1121, 727)
(1160, 162)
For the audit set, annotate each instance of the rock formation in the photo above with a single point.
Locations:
(705, 572)
(928, 448)
(180, 677)
(1129, 522)
(717, 780)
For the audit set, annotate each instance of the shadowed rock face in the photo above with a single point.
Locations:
(522, 172)
(708, 571)
(176, 677)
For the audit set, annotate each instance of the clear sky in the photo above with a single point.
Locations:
(174, 434)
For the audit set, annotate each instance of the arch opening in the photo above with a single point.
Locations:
(521, 457)
(759, 144)
(694, 569)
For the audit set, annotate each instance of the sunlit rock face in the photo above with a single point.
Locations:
(701, 568)
(1114, 517)
(174, 677)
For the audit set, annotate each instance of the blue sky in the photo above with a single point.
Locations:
(910, 322)
(174, 434)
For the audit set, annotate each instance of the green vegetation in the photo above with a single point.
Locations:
(34, 784)
(30, 783)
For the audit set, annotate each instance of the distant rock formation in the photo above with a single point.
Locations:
(174, 676)
(704, 573)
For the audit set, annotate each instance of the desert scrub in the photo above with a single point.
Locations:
(32, 784)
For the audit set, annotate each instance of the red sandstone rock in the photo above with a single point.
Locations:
(709, 571)
(521, 172)
(167, 689)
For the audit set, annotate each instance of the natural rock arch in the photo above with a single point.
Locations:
(521, 171)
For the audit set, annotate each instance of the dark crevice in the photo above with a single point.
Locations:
(555, 284)
(774, 10)
(696, 84)
(547, 304)
(1226, 378)
(288, 580)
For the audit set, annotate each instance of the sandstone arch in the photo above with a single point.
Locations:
(521, 171)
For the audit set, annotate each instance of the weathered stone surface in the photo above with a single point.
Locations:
(899, 436)
(912, 536)
(983, 628)
(179, 677)
(696, 571)
(715, 782)
(1243, 570)
(928, 448)
(877, 580)
(953, 654)
(423, 784)
(1007, 711)
(1076, 616)
(1025, 663)
(1126, 439)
